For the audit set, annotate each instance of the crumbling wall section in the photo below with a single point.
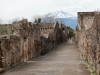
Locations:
(6, 29)
(11, 51)
(27, 41)
(30, 35)
(1, 55)
(88, 37)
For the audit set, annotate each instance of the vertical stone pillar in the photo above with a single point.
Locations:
(25, 49)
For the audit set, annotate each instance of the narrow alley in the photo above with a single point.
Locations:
(64, 59)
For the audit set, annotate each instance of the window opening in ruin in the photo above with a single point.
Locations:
(6, 25)
(24, 38)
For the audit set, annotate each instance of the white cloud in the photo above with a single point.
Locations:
(73, 7)
(10, 9)
(84, 1)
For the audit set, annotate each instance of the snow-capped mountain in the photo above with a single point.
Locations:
(61, 16)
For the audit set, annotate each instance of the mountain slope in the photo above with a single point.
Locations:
(61, 17)
(69, 22)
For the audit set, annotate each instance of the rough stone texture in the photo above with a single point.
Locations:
(1, 57)
(63, 60)
(48, 29)
(52, 34)
(11, 53)
(29, 40)
(6, 29)
(88, 37)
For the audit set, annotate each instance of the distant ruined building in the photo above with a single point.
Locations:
(22, 40)
(87, 35)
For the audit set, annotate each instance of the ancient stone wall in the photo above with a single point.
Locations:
(88, 37)
(11, 51)
(64, 32)
(46, 28)
(25, 40)
(6, 29)
(59, 31)
(21, 45)
(30, 37)
(1, 55)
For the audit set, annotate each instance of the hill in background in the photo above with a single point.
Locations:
(62, 17)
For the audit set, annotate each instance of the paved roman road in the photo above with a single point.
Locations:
(64, 59)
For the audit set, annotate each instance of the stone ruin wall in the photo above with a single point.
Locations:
(11, 51)
(26, 42)
(6, 29)
(46, 28)
(88, 37)
(21, 45)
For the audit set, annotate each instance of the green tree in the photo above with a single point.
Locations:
(69, 28)
(35, 21)
(71, 31)
(39, 20)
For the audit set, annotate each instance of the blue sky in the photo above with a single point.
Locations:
(10, 9)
